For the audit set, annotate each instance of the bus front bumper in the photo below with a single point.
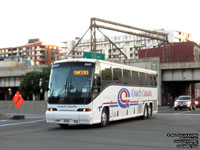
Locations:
(69, 117)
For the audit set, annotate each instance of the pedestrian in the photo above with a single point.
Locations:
(171, 102)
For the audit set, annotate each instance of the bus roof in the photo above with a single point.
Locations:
(107, 62)
(77, 60)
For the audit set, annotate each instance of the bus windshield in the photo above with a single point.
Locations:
(71, 83)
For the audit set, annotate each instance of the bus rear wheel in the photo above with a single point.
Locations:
(150, 111)
(145, 113)
(104, 118)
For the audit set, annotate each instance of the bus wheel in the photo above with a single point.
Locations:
(145, 113)
(104, 118)
(149, 111)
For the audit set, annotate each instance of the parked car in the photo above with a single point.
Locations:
(197, 102)
(184, 101)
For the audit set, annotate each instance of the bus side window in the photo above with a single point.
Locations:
(154, 81)
(135, 78)
(106, 75)
(126, 76)
(143, 80)
(117, 75)
(149, 80)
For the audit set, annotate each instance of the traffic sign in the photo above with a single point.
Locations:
(94, 55)
(18, 100)
(154, 66)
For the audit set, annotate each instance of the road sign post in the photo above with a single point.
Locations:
(18, 100)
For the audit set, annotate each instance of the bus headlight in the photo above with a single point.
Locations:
(51, 109)
(84, 109)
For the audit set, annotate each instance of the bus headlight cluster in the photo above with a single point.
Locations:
(51, 109)
(84, 109)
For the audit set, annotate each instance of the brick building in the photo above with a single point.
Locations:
(175, 52)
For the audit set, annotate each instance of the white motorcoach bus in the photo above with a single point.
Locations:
(90, 91)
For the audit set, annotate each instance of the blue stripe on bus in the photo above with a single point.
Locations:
(114, 105)
(100, 107)
(117, 105)
(133, 104)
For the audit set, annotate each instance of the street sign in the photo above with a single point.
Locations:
(154, 66)
(18, 100)
(94, 55)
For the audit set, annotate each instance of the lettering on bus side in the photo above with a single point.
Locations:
(140, 93)
(124, 96)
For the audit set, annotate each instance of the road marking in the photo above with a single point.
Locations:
(3, 120)
(20, 123)
(178, 114)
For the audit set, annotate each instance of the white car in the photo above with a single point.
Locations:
(184, 101)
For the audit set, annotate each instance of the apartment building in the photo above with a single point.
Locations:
(35, 51)
(129, 44)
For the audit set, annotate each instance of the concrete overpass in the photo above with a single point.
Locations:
(10, 78)
(179, 79)
(174, 78)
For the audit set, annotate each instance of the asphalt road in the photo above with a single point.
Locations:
(33, 133)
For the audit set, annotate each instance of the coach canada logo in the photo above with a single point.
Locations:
(124, 98)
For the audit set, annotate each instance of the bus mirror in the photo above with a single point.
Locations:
(98, 81)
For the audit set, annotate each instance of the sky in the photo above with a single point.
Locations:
(55, 21)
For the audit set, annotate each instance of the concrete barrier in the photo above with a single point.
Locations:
(27, 106)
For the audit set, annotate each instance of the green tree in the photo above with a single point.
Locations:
(45, 77)
(30, 82)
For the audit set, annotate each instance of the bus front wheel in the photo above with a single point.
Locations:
(104, 118)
